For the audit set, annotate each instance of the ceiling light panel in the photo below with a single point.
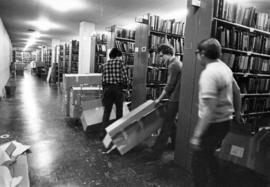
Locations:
(44, 24)
(64, 5)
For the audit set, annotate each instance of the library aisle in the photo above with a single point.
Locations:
(62, 154)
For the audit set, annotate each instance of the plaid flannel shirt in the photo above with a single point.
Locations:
(114, 72)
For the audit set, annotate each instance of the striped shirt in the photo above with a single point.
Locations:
(114, 71)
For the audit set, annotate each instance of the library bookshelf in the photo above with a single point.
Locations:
(124, 40)
(245, 47)
(150, 73)
(100, 51)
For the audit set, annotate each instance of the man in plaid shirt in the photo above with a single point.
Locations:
(114, 79)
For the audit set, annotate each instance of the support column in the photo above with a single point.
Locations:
(55, 42)
(198, 27)
(86, 48)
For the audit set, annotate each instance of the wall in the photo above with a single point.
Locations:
(5, 56)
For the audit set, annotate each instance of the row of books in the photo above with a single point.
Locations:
(99, 60)
(101, 38)
(157, 75)
(130, 72)
(246, 64)
(248, 16)
(128, 59)
(74, 56)
(128, 47)
(125, 33)
(155, 60)
(167, 26)
(153, 93)
(177, 43)
(101, 48)
(253, 85)
(234, 38)
(250, 105)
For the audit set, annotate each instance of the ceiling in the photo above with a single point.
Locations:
(18, 16)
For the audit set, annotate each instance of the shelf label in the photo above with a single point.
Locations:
(196, 3)
(237, 151)
(136, 49)
(249, 53)
(251, 29)
(144, 49)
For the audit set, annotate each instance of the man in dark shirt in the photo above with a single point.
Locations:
(114, 79)
(172, 90)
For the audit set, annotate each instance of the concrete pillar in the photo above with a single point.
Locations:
(55, 42)
(86, 47)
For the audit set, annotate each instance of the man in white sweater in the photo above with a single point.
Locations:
(219, 98)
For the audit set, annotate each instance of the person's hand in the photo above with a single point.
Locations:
(238, 118)
(157, 101)
(195, 142)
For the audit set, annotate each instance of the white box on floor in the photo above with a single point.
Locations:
(18, 169)
(94, 115)
(135, 127)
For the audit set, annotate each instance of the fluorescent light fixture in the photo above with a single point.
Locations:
(64, 5)
(32, 40)
(44, 24)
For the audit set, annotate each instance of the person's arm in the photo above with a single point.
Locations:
(204, 120)
(237, 102)
(208, 93)
(171, 82)
(125, 74)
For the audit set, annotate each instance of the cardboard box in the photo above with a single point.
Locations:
(252, 152)
(78, 80)
(94, 115)
(78, 94)
(80, 99)
(135, 127)
(18, 170)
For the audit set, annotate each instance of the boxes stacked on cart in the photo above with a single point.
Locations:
(14, 166)
(78, 80)
(135, 127)
(80, 99)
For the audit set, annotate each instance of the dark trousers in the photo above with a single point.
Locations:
(112, 94)
(168, 128)
(204, 164)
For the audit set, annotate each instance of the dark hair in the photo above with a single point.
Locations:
(115, 53)
(211, 48)
(166, 49)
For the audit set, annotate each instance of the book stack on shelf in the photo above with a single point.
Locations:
(26, 57)
(73, 56)
(66, 58)
(124, 40)
(48, 58)
(150, 72)
(101, 51)
(18, 56)
(244, 35)
(60, 63)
